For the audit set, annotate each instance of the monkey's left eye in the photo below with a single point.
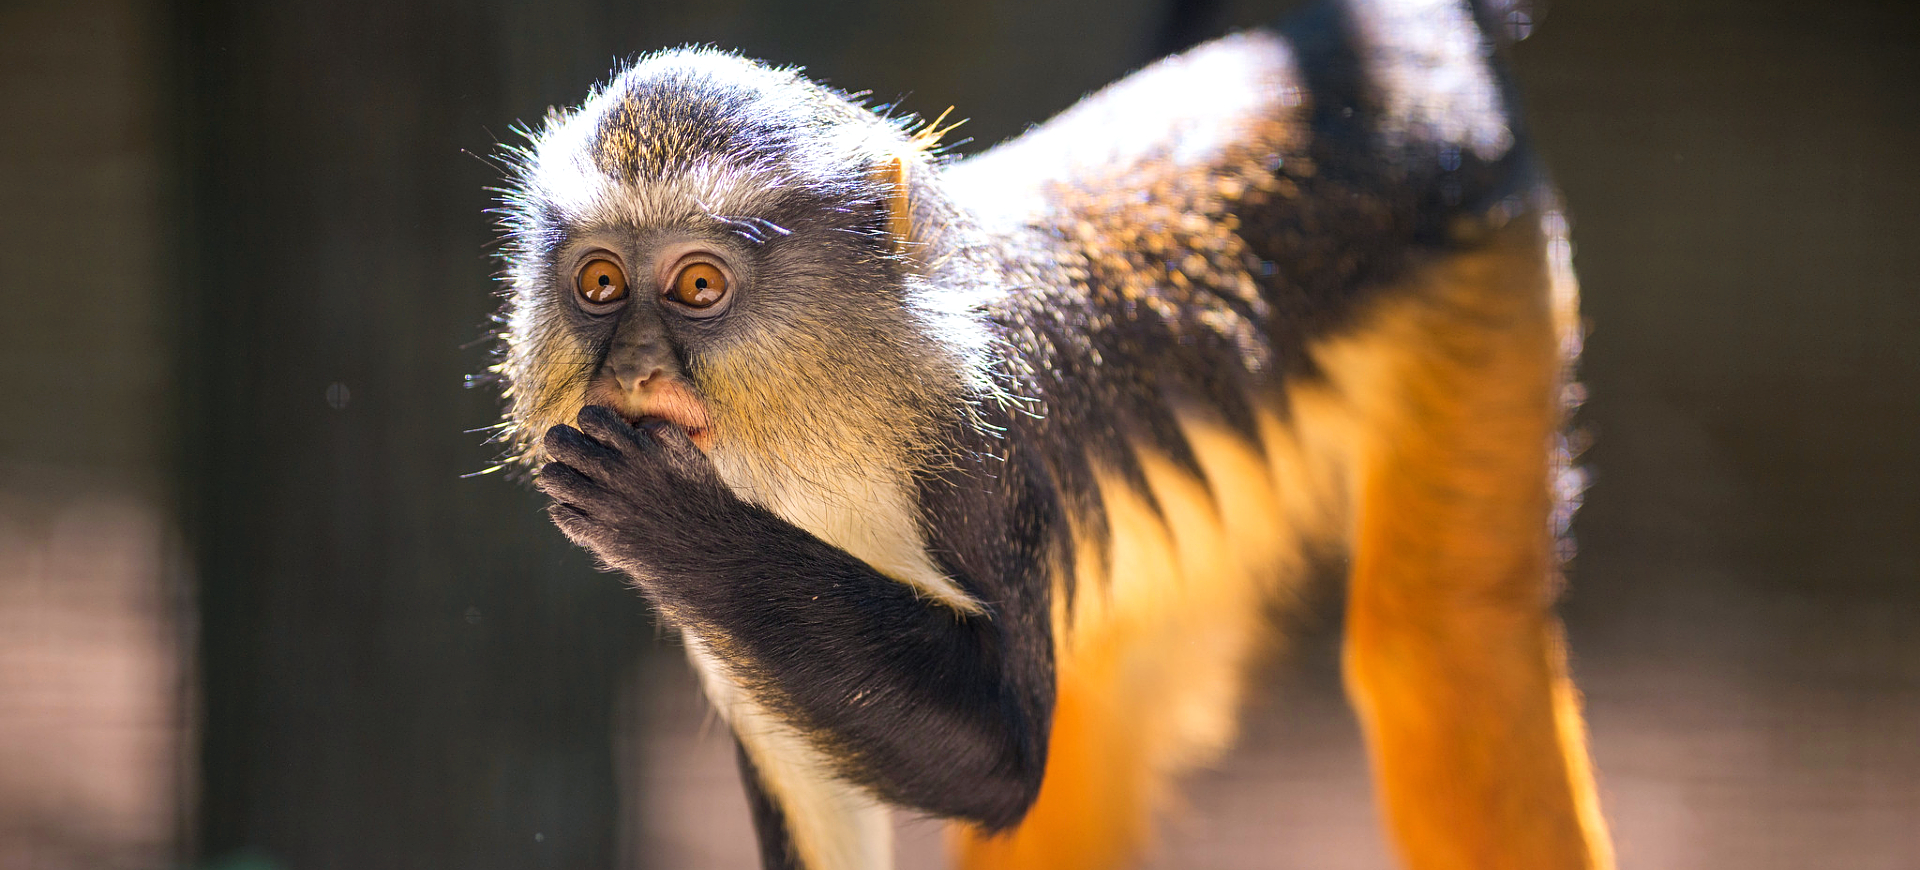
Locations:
(601, 282)
(698, 285)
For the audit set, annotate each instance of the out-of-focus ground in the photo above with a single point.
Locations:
(1761, 760)
(212, 212)
(90, 684)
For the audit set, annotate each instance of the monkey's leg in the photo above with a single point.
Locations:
(1453, 657)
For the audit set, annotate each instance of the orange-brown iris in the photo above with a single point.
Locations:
(699, 285)
(601, 282)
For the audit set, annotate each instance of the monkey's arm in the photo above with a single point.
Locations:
(911, 698)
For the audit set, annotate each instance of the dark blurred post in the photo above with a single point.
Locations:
(401, 667)
(90, 656)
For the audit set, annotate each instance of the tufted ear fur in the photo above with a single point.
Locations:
(892, 173)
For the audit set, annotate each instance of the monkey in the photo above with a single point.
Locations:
(968, 484)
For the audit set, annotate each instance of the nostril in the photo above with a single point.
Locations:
(643, 377)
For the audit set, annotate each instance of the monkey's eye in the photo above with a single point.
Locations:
(601, 282)
(698, 285)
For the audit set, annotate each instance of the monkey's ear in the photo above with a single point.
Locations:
(891, 173)
(894, 173)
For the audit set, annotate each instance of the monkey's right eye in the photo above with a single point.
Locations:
(601, 282)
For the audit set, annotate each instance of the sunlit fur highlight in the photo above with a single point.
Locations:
(1453, 97)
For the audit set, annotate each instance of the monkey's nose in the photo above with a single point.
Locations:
(637, 380)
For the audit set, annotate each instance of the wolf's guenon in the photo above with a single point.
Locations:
(967, 483)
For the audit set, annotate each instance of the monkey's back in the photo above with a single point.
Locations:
(1222, 209)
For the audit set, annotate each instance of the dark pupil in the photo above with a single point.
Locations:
(604, 280)
(700, 283)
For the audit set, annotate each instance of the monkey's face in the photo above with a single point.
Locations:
(706, 242)
(765, 344)
(685, 285)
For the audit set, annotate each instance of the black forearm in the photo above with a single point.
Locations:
(910, 696)
(930, 708)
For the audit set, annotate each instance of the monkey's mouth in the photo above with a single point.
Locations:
(668, 402)
(701, 436)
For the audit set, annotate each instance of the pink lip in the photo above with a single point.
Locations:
(701, 437)
(670, 400)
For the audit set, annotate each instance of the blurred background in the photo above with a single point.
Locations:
(255, 613)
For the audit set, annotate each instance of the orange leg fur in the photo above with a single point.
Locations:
(1453, 657)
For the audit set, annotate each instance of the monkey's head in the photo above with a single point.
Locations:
(726, 246)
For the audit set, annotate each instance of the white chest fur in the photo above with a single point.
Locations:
(868, 512)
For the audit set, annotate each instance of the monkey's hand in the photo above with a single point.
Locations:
(635, 495)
